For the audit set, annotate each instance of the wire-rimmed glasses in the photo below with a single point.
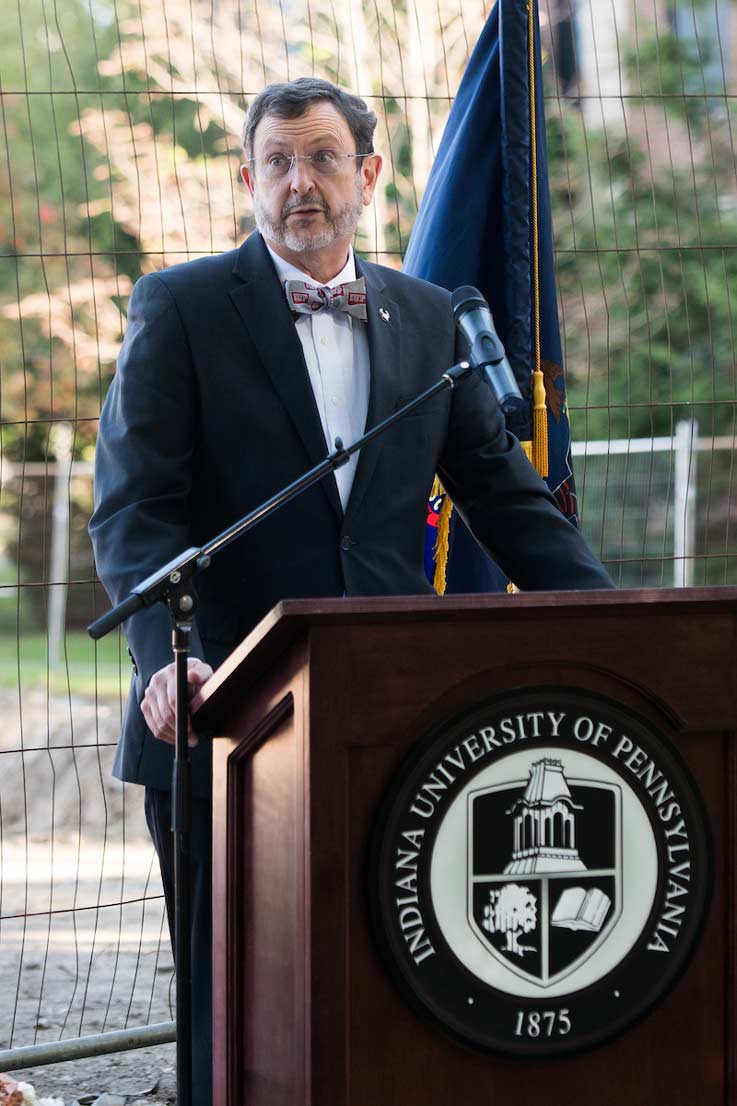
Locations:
(328, 163)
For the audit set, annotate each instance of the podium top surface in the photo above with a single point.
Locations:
(292, 618)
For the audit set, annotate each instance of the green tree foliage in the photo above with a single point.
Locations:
(54, 260)
(645, 212)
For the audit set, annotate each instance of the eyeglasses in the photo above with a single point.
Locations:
(325, 162)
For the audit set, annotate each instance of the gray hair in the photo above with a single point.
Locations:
(291, 99)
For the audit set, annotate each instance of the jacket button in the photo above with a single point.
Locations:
(346, 543)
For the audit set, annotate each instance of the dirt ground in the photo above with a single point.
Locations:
(84, 944)
(146, 1077)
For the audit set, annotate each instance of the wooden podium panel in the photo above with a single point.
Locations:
(313, 717)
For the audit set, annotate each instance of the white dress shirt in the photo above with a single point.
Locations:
(337, 354)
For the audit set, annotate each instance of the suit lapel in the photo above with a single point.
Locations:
(262, 305)
(384, 336)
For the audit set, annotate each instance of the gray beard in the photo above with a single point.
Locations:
(342, 224)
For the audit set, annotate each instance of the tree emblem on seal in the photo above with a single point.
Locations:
(511, 910)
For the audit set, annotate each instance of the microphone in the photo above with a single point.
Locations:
(473, 319)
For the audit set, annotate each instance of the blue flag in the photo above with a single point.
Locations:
(483, 222)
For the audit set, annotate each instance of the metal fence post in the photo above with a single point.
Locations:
(684, 522)
(59, 561)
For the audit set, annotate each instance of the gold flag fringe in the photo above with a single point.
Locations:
(539, 424)
(442, 541)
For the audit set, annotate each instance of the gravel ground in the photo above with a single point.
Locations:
(143, 1078)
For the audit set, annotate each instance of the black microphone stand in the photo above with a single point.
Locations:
(173, 584)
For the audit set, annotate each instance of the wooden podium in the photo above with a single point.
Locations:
(314, 714)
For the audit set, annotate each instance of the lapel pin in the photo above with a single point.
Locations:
(384, 314)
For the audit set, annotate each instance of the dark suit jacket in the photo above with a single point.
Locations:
(211, 412)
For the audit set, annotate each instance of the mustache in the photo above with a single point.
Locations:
(302, 201)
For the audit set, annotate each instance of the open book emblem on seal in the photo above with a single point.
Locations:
(544, 869)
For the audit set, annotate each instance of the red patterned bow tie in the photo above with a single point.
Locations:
(350, 297)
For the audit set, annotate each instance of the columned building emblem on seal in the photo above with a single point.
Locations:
(545, 823)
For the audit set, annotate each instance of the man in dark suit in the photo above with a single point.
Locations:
(236, 374)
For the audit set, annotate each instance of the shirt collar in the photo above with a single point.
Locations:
(286, 271)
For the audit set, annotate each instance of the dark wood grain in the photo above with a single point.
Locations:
(316, 711)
